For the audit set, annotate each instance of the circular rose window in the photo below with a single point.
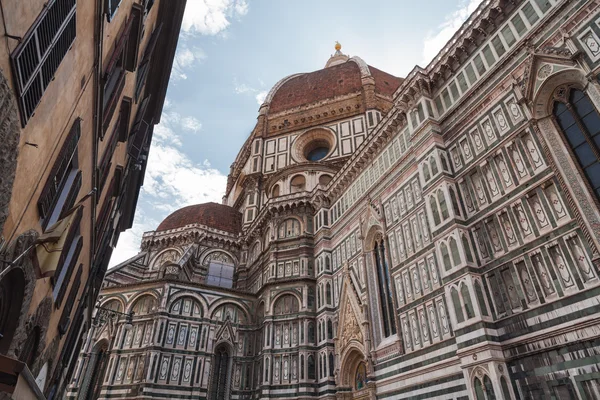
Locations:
(314, 145)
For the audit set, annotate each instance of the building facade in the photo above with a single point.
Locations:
(82, 85)
(428, 237)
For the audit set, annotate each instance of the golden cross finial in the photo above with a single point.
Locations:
(338, 46)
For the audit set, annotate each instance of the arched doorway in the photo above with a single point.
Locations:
(353, 381)
(220, 382)
(92, 384)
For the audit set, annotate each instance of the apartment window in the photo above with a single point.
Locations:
(65, 318)
(135, 36)
(144, 67)
(64, 181)
(124, 117)
(139, 131)
(111, 8)
(519, 25)
(68, 260)
(105, 161)
(37, 58)
(114, 77)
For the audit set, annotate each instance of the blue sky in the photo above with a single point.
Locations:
(231, 52)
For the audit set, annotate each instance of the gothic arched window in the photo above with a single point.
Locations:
(434, 210)
(580, 124)
(466, 296)
(331, 369)
(328, 293)
(329, 329)
(460, 317)
(286, 304)
(311, 332)
(443, 205)
(219, 383)
(311, 367)
(434, 167)
(385, 290)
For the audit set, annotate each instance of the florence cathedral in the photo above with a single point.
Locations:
(433, 236)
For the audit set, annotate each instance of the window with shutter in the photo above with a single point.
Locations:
(65, 318)
(144, 67)
(139, 131)
(135, 35)
(114, 76)
(40, 53)
(64, 181)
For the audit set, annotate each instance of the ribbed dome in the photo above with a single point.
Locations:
(213, 215)
(327, 83)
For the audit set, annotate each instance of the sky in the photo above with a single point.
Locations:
(231, 52)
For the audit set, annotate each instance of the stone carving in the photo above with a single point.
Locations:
(351, 330)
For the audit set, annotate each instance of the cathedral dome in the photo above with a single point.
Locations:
(213, 215)
(342, 76)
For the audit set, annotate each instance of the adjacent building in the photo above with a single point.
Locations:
(428, 237)
(82, 86)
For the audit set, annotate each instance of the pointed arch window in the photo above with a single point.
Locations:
(331, 369)
(385, 290)
(457, 305)
(328, 293)
(434, 210)
(466, 296)
(434, 167)
(580, 124)
(443, 205)
(426, 173)
(329, 329)
(311, 367)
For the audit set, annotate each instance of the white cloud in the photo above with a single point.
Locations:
(261, 96)
(242, 88)
(191, 124)
(172, 181)
(185, 60)
(210, 17)
(435, 41)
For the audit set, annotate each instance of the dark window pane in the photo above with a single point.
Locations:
(574, 135)
(585, 155)
(593, 174)
(592, 123)
(576, 95)
(583, 106)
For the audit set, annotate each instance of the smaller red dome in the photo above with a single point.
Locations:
(213, 215)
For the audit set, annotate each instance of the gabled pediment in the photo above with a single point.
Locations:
(351, 319)
(541, 65)
(225, 333)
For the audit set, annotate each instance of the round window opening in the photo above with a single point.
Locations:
(314, 145)
(317, 153)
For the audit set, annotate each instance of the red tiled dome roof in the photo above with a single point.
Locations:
(213, 215)
(327, 83)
